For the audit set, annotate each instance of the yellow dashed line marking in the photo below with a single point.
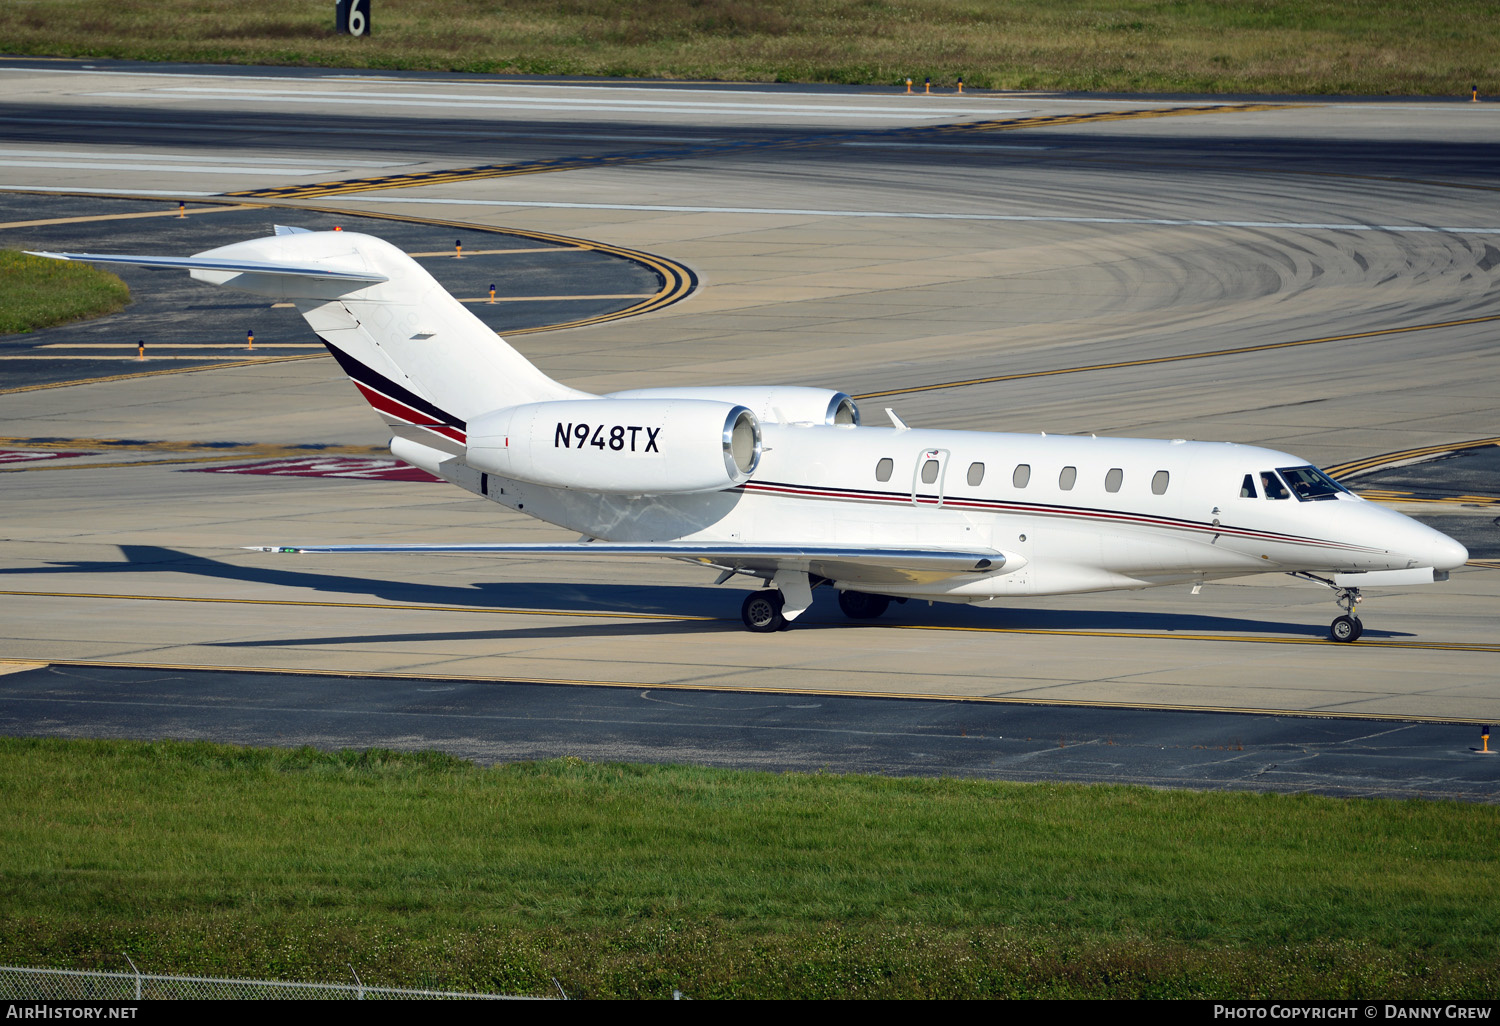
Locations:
(149, 359)
(181, 345)
(677, 283)
(11, 666)
(155, 373)
(678, 280)
(88, 219)
(492, 252)
(1388, 496)
(548, 166)
(1050, 120)
(396, 606)
(555, 299)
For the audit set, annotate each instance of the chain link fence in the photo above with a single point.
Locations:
(23, 984)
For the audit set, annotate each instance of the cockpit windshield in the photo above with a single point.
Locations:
(1309, 484)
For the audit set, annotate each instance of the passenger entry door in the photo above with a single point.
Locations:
(927, 479)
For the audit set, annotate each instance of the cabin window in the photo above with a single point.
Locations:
(1159, 482)
(1068, 478)
(1113, 478)
(1272, 486)
(1247, 487)
(1021, 476)
(883, 469)
(976, 474)
(929, 471)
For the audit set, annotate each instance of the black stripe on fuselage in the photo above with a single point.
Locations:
(1088, 513)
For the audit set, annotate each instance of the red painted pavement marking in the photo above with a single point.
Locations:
(16, 456)
(352, 467)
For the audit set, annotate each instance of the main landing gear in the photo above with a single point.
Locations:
(762, 612)
(1347, 627)
(859, 606)
(771, 610)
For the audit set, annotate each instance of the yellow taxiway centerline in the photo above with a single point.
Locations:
(90, 218)
(1386, 459)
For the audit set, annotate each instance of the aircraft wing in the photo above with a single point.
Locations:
(205, 263)
(856, 564)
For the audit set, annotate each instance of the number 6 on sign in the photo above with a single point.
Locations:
(352, 17)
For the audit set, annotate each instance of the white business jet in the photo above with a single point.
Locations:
(786, 485)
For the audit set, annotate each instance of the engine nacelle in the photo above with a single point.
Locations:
(629, 446)
(773, 404)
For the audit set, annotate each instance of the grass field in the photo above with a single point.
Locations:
(619, 881)
(1253, 46)
(37, 293)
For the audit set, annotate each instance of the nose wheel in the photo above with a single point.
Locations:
(1348, 627)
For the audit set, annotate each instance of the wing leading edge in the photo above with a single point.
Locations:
(202, 263)
(841, 563)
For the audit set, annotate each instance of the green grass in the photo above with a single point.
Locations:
(37, 293)
(1259, 46)
(622, 880)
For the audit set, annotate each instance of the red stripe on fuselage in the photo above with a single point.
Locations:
(1074, 512)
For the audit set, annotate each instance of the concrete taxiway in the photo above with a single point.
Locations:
(1316, 277)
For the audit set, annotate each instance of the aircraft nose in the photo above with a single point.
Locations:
(1435, 549)
(1448, 554)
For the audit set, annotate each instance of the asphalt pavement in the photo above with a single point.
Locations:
(498, 721)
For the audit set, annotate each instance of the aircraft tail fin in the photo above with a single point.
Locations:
(416, 353)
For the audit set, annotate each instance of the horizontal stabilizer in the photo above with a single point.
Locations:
(837, 562)
(198, 263)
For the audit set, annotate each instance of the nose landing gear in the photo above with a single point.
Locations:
(1348, 627)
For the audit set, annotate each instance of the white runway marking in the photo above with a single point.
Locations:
(174, 193)
(137, 155)
(363, 133)
(190, 169)
(934, 216)
(556, 103)
(616, 87)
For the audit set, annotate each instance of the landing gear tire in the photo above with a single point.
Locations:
(859, 606)
(762, 612)
(1346, 628)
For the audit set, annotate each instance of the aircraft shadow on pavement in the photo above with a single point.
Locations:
(722, 604)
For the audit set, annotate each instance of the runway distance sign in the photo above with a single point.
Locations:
(352, 17)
